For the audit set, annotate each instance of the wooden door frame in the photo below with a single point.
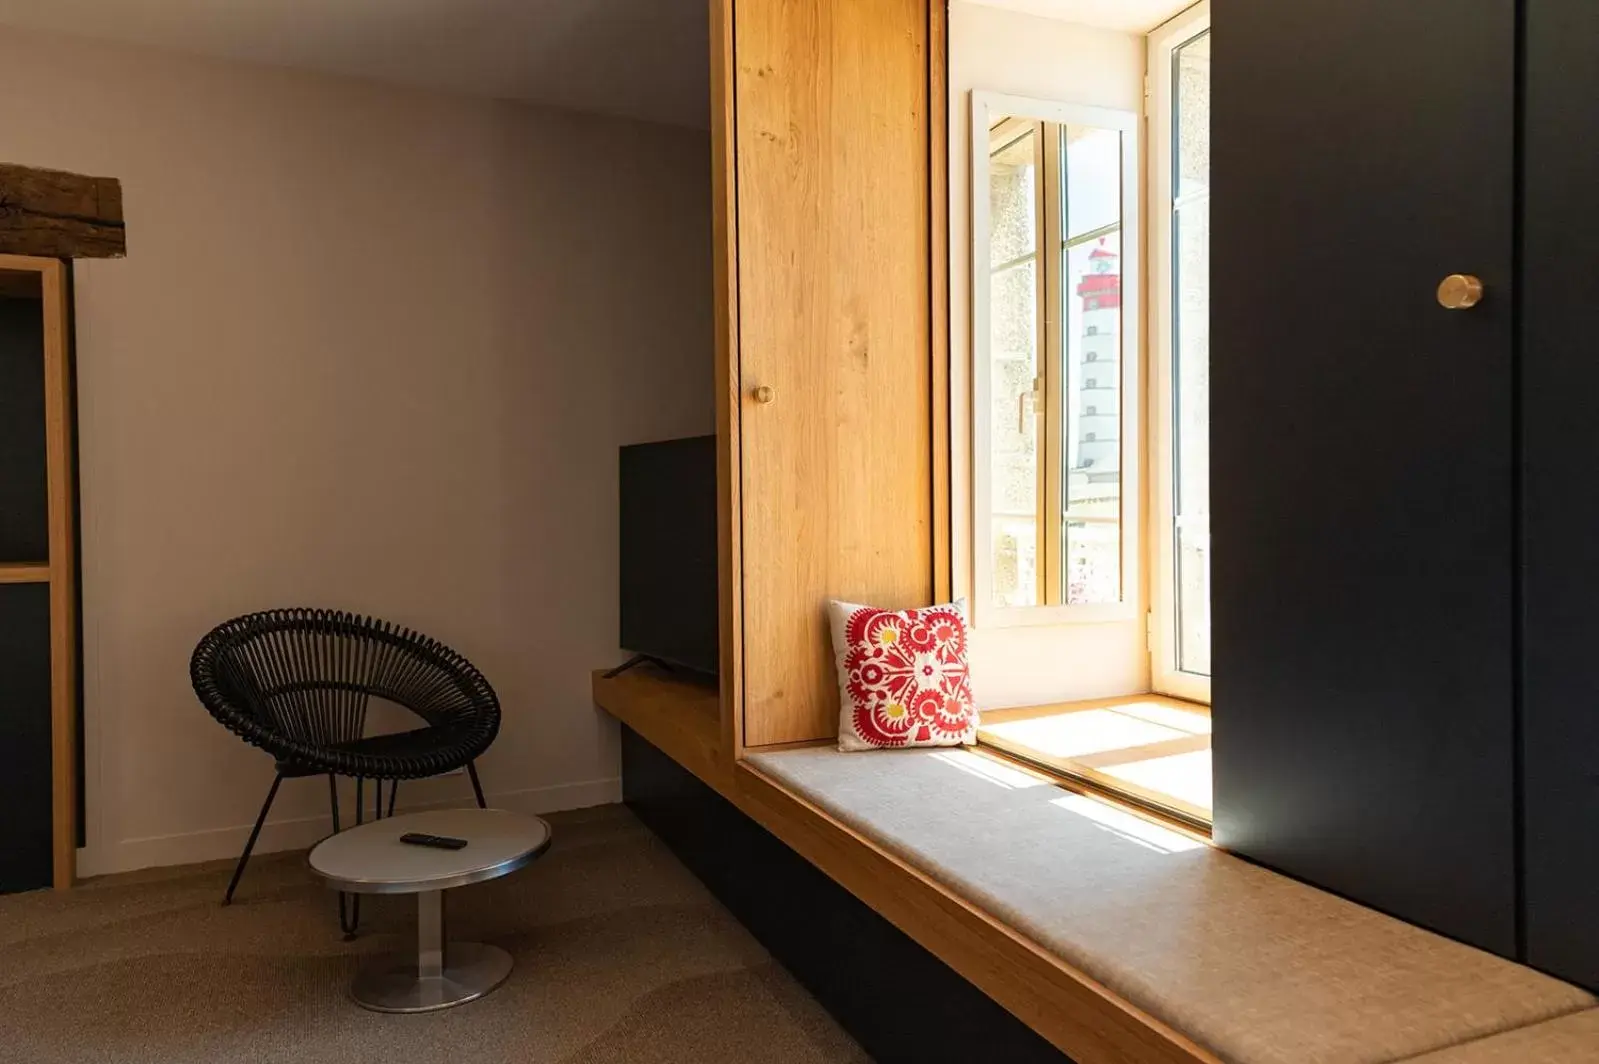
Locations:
(61, 570)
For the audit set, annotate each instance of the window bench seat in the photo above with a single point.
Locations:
(1254, 967)
(1564, 1041)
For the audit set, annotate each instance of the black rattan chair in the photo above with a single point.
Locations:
(297, 684)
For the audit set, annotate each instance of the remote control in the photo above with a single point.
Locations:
(438, 842)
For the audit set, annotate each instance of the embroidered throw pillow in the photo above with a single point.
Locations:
(902, 677)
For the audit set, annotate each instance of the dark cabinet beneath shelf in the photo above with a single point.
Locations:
(25, 761)
(24, 491)
(39, 722)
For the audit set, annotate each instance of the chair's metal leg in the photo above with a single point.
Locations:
(333, 804)
(377, 799)
(394, 788)
(477, 788)
(255, 833)
(349, 924)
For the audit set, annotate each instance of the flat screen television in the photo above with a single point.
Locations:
(669, 604)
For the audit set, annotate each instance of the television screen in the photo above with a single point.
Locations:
(669, 605)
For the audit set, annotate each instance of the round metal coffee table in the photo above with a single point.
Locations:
(371, 859)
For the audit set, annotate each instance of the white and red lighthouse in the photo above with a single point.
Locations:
(1095, 450)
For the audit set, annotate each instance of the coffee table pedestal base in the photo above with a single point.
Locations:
(443, 973)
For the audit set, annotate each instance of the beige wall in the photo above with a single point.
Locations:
(374, 349)
(1023, 55)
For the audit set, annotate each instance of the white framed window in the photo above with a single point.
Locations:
(1056, 279)
(1179, 207)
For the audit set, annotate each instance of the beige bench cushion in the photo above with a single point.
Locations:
(1257, 967)
(1568, 1040)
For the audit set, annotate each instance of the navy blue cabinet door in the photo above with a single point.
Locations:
(1560, 434)
(1363, 452)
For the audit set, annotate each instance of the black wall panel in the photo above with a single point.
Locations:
(24, 518)
(1560, 433)
(25, 828)
(1362, 452)
(857, 964)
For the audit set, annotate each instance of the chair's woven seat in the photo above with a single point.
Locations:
(375, 756)
(298, 683)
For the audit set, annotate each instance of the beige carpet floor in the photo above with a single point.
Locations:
(622, 958)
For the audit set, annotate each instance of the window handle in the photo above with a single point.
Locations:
(1027, 404)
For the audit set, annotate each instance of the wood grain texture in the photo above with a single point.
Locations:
(61, 194)
(724, 264)
(59, 214)
(681, 719)
(58, 395)
(1050, 709)
(831, 102)
(938, 215)
(1072, 1011)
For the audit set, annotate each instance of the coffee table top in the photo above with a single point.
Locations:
(371, 859)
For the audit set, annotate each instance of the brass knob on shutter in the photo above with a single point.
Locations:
(764, 394)
(1459, 291)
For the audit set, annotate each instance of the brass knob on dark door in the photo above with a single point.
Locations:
(764, 394)
(1459, 291)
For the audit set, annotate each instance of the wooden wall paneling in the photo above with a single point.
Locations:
(63, 570)
(724, 257)
(938, 214)
(831, 120)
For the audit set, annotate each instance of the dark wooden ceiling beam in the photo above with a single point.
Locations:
(60, 215)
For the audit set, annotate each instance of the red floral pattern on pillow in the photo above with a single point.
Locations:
(904, 677)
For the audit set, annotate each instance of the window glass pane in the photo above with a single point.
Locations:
(1013, 194)
(1191, 352)
(1091, 552)
(1054, 363)
(1093, 179)
(1014, 351)
(1191, 86)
